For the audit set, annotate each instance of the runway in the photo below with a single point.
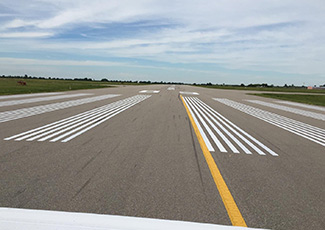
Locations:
(152, 151)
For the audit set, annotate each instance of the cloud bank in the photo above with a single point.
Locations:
(217, 41)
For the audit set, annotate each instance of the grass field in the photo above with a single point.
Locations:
(270, 89)
(307, 99)
(10, 85)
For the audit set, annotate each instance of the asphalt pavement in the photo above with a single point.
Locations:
(133, 151)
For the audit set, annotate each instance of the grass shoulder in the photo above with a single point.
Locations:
(268, 89)
(301, 98)
(12, 85)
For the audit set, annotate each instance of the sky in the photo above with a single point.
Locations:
(220, 41)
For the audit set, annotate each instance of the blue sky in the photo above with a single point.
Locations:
(222, 41)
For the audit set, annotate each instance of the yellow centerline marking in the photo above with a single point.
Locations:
(233, 212)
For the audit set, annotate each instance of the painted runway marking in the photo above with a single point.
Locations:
(40, 99)
(305, 113)
(71, 127)
(171, 88)
(28, 95)
(304, 130)
(235, 138)
(27, 112)
(149, 91)
(189, 93)
(205, 138)
(234, 214)
(302, 105)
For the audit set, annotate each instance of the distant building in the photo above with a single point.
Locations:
(315, 87)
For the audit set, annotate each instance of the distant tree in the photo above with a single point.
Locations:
(104, 79)
(242, 85)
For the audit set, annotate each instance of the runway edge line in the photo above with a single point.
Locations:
(234, 214)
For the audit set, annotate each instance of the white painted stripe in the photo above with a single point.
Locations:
(74, 126)
(206, 140)
(49, 126)
(27, 112)
(92, 119)
(302, 105)
(299, 128)
(69, 122)
(41, 99)
(199, 102)
(309, 132)
(231, 146)
(213, 117)
(270, 115)
(149, 91)
(222, 119)
(92, 126)
(296, 129)
(170, 88)
(214, 138)
(97, 123)
(289, 128)
(291, 110)
(292, 123)
(283, 120)
(69, 125)
(28, 95)
(58, 123)
(189, 93)
(69, 119)
(83, 124)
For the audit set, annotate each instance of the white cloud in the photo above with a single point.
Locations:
(259, 35)
(16, 23)
(28, 61)
(25, 35)
(197, 14)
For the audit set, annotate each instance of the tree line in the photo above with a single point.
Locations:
(90, 79)
(262, 85)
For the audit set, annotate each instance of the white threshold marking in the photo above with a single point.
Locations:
(28, 95)
(205, 138)
(214, 138)
(71, 127)
(305, 113)
(231, 146)
(41, 99)
(302, 105)
(228, 131)
(27, 112)
(304, 130)
(171, 87)
(189, 93)
(149, 91)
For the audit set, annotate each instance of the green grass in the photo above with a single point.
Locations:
(270, 89)
(302, 98)
(10, 85)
